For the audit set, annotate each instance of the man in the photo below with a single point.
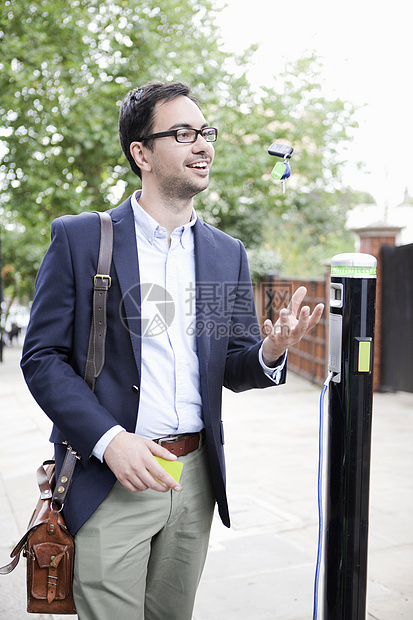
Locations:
(181, 324)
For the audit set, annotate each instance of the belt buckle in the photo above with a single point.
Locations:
(172, 438)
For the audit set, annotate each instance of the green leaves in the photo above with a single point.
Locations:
(65, 67)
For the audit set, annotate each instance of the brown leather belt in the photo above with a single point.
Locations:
(181, 445)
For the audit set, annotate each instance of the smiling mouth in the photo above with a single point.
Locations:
(199, 165)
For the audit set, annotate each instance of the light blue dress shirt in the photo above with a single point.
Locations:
(170, 399)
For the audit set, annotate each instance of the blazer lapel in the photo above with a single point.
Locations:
(125, 258)
(205, 274)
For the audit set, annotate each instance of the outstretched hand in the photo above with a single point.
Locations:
(289, 329)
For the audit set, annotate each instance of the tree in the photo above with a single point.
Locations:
(59, 108)
(23, 254)
(59, 103)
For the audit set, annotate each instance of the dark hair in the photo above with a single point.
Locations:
(136, 114)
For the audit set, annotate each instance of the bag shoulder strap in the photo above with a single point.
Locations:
(62, 484)
(101, 284)
(96, 348)
(97, 337)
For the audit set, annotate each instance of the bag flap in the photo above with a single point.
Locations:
(48, 553)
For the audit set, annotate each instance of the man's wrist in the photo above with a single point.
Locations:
(273, 372)
(104, 441)
(275, 360)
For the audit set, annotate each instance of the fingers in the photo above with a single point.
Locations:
(294, 306)
(285, 323)
(316, 316)
(297, 299)
(153, 476)
(141, 481)
(267, 327)
(288, 325)
(131, 459)
(157, 450)
(307, 321)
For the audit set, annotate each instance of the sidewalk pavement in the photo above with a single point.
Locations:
(263, 567)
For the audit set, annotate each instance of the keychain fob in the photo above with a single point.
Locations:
(280, 150)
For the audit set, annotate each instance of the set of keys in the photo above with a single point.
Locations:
(282, 169)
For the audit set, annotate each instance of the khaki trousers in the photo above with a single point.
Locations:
(141, 555)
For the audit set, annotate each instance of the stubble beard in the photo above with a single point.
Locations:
(177, 193)
(177, 190)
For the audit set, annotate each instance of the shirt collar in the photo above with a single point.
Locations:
(150, 227)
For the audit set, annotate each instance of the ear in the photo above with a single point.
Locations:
(139, 154)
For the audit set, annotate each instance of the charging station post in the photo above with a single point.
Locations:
(352, 314)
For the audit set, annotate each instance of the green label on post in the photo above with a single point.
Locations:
(353, 272)
(364, 356)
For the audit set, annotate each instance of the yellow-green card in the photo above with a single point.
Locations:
(173, 468)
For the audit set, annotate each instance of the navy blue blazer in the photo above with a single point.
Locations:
(55, 347)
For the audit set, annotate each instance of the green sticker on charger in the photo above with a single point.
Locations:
(354, 272)
(364, 356)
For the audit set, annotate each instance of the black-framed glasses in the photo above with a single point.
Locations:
(186, 134)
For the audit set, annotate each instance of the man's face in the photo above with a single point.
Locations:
(180, 170)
